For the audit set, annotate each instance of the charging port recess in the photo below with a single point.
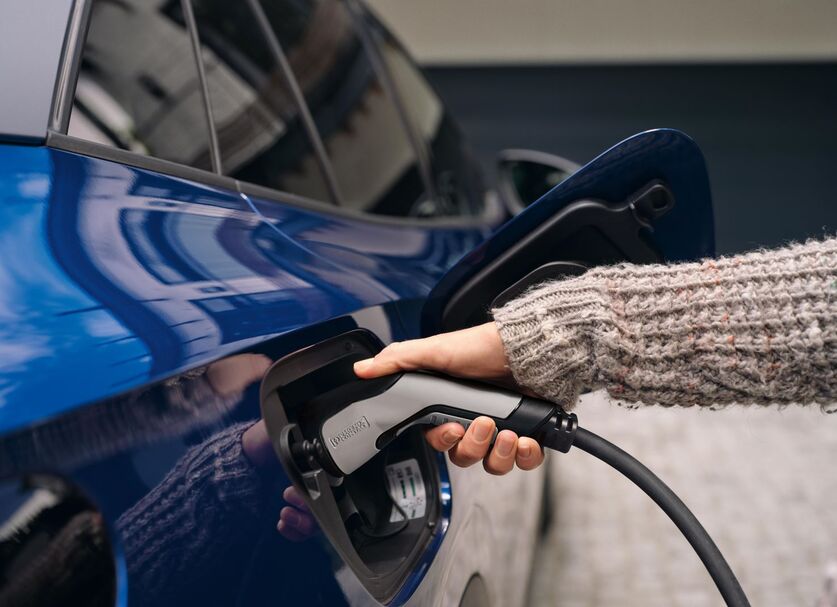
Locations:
(383, 518)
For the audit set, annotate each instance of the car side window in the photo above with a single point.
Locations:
(455, 171)
(261, 138)
(372, 157)
(138, 87)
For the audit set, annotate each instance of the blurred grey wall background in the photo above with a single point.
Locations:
(753, 81)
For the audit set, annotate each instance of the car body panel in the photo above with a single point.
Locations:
(135, 295)
(121, 283)
(188, 281)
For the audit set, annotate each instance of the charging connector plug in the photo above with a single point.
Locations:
(560, 431)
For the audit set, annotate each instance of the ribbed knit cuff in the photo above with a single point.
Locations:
(548, 336)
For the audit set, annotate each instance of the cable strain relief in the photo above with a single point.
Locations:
(561, 432)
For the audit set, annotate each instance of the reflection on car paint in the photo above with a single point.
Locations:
(198, 504)
(200, 398)
(122, 276)
(55, 548)
(139, 283)
(167, 468)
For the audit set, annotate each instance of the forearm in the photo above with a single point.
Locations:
(209, 506)
(758, 328)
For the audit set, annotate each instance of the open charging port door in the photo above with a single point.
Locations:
(382, 518)
(645, 200)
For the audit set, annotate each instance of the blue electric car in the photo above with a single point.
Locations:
(192, 190)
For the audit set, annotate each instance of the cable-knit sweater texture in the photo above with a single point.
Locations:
(758, 328)
(210, 506)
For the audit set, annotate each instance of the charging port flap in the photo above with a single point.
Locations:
(647, 199)
(380, 519)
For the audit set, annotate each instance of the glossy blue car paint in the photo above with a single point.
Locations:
(117, 276)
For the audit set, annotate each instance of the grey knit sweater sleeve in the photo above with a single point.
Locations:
(209, 507)
(758, 328)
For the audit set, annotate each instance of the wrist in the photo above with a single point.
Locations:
(255, 443)
(548, 336)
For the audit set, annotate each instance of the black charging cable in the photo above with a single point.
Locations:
(548, 423)
(566, 432)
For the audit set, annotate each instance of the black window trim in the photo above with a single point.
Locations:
(69, 65)
(304, 112)
(152, 163)
(57, 137)
(192, 30)
(491, 215)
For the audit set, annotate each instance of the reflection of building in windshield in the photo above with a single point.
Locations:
(371, 154)
(455, 172)
(139, 90)
(138, 87)
(261, 136)
(420, 102)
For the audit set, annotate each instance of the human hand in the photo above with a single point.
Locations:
(295, 521)
(232, 375)
(475, 353)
